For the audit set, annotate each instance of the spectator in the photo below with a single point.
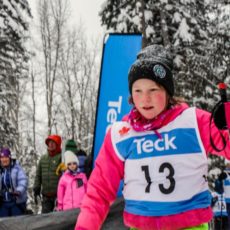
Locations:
(81, 155)
(220, 211)
(72, 185)
(13, 186)
(46, 180)
(225, 176)
(71, 146)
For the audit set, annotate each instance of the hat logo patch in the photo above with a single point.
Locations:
(159, 71)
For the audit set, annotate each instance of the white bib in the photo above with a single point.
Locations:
(163, 176)
(219, 208)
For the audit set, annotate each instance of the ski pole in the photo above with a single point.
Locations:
(222, 89)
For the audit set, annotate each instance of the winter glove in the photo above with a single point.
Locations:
(221, 110)
(221, 117)
(37, 193)
(15, 193)
(227, 113)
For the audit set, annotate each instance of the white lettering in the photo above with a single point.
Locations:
(111, 116)
(114, 109)
(148, 146)
(168, 143)
(116, 104)
(138, 141)
(157, 146)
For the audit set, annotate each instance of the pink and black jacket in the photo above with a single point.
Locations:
(71, 190)
(165, 178)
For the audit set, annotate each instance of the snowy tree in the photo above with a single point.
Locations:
(53, 16)
(14, 16)
(69, 73)
(218, 61)
(78, 84)
(185, 27)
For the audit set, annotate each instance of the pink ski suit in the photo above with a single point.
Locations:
(71, 190)
(111, 167)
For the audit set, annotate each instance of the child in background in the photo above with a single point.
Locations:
(70, 145)
(161, 153)
(220, 211)
(72, 185)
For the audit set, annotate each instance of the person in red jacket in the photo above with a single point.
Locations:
(46, 179)
(72, 185)
(160, 151)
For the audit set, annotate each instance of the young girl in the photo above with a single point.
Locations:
(72, 185)
(160, 152)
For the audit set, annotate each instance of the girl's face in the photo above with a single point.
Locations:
(72, 166)
(149, 98)
(5, 161)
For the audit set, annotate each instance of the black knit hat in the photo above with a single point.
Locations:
(153, 62)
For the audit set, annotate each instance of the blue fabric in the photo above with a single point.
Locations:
(220, 213)
(6, 185)
(172, 143)
(219, 186)
(227, 182)
(147, 208)
(19, 182)
(81, 167)
(11, 209)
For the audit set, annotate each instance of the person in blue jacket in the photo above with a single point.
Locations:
(219, 209)
(13, 186)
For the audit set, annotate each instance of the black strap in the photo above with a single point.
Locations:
(221, 135)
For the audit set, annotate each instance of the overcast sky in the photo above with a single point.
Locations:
(85, 11)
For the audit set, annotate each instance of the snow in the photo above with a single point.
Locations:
(136, 21)
(148, 15)
(149, 31)
(214, 172)
(178, 60)
(168, 7)
(183, 32)
(176, 17)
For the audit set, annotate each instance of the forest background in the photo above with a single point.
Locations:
(50, 68)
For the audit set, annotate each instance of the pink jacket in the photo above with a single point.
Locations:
(71, 190)
(109, 170)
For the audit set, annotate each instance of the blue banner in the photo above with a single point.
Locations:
(119, 52)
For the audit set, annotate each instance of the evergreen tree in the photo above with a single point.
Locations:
(13, 59)
(186, 28)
